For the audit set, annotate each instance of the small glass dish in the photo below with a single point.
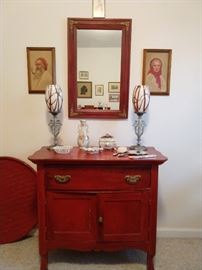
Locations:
(92, 149)
(62, 149)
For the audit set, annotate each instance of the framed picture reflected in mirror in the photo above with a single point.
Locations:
(84, 89)
(99, 90)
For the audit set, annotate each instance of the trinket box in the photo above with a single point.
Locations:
(107, 142)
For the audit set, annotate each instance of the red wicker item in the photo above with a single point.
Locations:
(18, 203)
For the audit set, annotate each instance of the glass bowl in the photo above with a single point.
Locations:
(92, 149)
(62, 149)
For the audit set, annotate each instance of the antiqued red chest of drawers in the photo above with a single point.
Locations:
(96, 202)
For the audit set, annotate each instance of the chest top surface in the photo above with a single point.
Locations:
(77, 156)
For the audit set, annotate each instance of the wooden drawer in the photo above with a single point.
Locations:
(97, 178)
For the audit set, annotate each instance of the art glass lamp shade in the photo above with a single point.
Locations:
(141, 98)
(54, 98)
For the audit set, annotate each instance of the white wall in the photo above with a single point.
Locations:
(173, 122)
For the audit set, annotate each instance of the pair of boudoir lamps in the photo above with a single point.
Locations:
(54, 100)
(140, 99)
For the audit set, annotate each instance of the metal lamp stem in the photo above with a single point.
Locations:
(55, 126)
(139, 128)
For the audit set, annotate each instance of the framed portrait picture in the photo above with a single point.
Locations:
(83, 75)
(99, 90)
(40, 68)
(84, 89)
(114, 97)
(156, 70)
(98, 8)
(114, 87)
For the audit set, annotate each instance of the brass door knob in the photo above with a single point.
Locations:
(100, 219)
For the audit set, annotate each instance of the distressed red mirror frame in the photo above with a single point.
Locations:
(75, 24)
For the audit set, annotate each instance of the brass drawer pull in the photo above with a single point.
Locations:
(62, 178)
(132, 179)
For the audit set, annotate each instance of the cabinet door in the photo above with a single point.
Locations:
(124, 216)
(71, 216)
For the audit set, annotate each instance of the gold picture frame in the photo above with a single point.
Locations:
(84, 89)
(114, 97)
(156, 70)
(114, 87)
(83, 75)
(99, 90)
(40, 68)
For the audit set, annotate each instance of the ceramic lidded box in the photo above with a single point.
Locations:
(107, 142)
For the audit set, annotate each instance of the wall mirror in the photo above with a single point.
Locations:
(98, 67)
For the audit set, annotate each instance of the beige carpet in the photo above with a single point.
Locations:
(172, 254)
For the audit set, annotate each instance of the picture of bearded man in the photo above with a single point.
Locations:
(41, 77)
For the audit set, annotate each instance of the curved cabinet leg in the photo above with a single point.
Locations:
(44, 262)
(150, 263)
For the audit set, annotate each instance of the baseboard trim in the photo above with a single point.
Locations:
(179, 233)
(166, 233)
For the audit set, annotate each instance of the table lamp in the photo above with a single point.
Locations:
(140, 99)
(54, 100)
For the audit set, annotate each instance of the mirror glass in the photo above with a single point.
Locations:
(99, 58)
(98, 53)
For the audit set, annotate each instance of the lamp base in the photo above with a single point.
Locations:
(55, 126)
(139, 149)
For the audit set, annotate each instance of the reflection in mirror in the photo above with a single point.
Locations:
(98, 67)
(99, 58)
